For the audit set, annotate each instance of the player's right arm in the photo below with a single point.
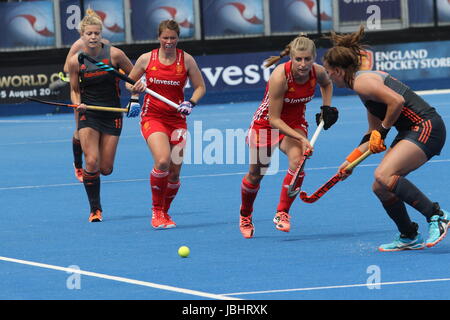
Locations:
(374, 123)
(74, 72)
(76, 46)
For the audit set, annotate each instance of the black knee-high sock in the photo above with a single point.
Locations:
(410, 194)
(396, 210)
(77, 153)
(91, 181)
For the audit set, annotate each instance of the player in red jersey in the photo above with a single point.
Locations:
(280, 122)
(163, 127)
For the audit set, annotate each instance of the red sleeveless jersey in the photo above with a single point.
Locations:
(294, 100)
(167, 80)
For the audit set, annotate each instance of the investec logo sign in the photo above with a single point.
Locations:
(363, 1)
(164, 82)
(299, 100)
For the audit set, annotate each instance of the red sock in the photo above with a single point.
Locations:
(158, 185)
(171, 192)
(286, 201)
(248, 194)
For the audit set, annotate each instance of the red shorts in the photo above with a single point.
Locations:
(263, 135)
(175, 130)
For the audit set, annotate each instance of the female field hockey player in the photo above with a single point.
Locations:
(76, 47)
(162, 126)
(421, 135)
(99, 131)
(291, 85)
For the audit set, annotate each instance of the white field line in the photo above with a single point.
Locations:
(368, 285)
(183, 177)
(120, 279)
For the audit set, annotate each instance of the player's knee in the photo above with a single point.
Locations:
(255, 176)
(377, 189)
(381, 177)
(385, 179)
(295, 161)
(174, 176)
(162, 164)
(106, 171)
(91, 163)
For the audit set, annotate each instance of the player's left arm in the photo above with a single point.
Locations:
(195, 78)
(325, 83)
(372, 87)
(120, 60)
(328, 114)
(74, 72)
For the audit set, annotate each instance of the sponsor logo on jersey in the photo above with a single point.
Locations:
(164, 82)
(298, 100)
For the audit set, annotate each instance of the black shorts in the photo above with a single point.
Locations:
(429, 135)
(108, 125)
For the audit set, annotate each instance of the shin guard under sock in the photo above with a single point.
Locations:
(91, 181)
(248, 196)
(410, 194)
(77, 153)
(171, 192)
(286, 201)
(158, 185)
(396, 210)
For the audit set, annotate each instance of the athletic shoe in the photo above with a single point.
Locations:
(438, 228)
(246, 226)
(404, 243)
(168, 221)
(158, 219)
(78, 173)
(281, 220)
(96, 216)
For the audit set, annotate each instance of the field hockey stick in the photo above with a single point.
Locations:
(292, 190)
(332, 182)
(124, 77)
(99, 108)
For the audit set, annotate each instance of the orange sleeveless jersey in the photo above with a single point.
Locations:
(294, 105)
(167, 80)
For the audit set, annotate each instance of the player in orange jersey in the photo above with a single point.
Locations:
(421, 135)
(163, 127)
(280, 122)
(76, 47)
(99, 131)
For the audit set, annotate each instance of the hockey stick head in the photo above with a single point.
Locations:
(292, 189)
(305, 198)
(321, 191)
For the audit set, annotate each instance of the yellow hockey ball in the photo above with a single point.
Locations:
(184, 251)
